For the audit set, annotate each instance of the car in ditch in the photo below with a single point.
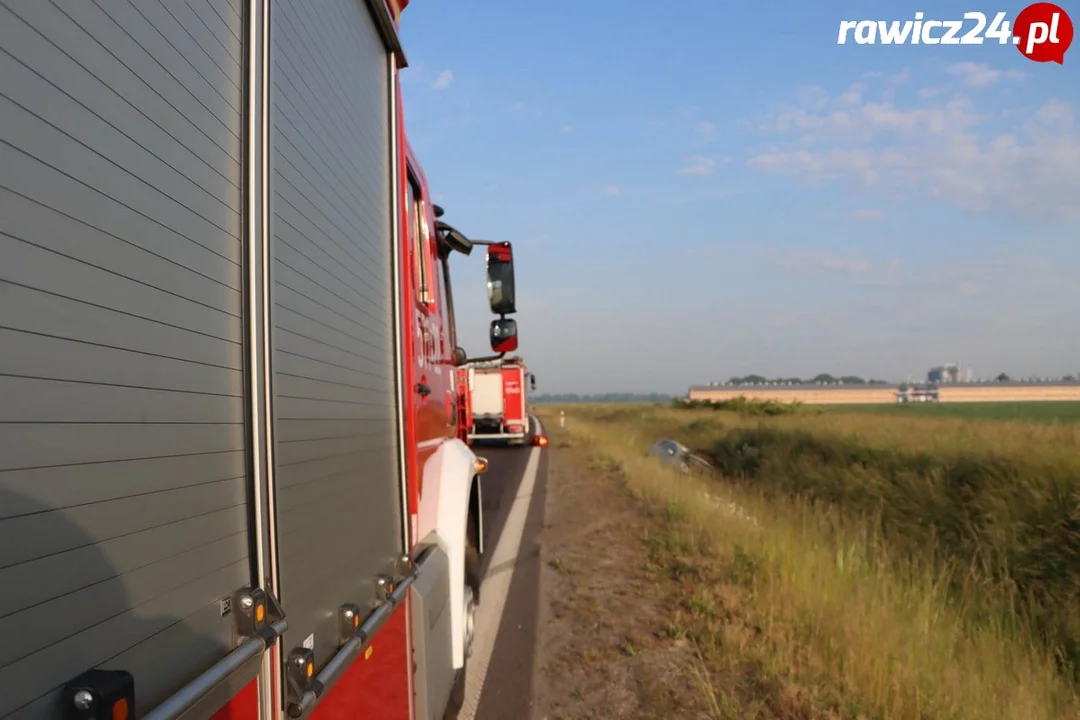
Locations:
(674, 454)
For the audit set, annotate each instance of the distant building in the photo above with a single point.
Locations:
(948, 373)
(1063, 390)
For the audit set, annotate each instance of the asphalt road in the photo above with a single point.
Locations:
(499, 682)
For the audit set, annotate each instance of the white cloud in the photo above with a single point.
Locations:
(611, 191)
(813, 97)
(566, 128)
(442, 80)
(816, 263)
(1056, 113)
(519, 105)
(991, 286)
(852, 96)
(851, 119)
(706, 128)
(948, 150)
(978, 75)
(985, 286)
(699, 165)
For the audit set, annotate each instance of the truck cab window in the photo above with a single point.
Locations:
(449, 294)
(418, 239)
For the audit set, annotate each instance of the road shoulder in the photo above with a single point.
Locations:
(605, 605)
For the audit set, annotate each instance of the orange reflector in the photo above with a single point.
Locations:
(260, 612)
(540, 440)
(356, 621)
(120, 709)
(310, 669)
(481, 464)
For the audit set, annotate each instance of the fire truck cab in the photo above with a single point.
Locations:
(232, 483)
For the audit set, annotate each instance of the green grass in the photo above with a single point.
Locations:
(922, 568)
(997, 502)
(1044, 412)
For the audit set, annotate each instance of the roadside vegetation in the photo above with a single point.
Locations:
(748, 406)
(1044, 412)
(866, 565)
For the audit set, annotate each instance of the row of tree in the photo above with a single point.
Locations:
(601, 398)
(821, 378)
(747, 380)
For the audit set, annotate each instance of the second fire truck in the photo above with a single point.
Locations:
(497, 400)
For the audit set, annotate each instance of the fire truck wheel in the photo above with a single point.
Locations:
(472, 597)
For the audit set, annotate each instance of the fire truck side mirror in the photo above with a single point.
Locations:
(504, 335)
(460, 358)
(500, 279)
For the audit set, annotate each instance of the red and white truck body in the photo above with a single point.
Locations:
(232, 484)
(499, 401)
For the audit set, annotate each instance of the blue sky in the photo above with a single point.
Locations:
(700, 190)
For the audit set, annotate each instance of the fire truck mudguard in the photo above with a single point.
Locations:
(433, 636)
(450, 469)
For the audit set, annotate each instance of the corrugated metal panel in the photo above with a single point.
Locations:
(123, 512)
(338, 498)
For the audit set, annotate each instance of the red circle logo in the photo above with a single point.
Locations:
(1043, 32)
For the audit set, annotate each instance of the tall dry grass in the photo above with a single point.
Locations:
(926, 568)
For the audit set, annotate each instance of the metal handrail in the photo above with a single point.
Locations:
(189, 695)
(356, 644)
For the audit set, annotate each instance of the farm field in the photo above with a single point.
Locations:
(1043, 412)
(848, 565)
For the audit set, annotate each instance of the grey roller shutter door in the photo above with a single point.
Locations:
(337, 488)
(123, 494)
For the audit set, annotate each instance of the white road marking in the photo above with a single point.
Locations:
(496, 584)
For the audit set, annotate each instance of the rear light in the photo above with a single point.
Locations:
(100, 695)
(540, 440)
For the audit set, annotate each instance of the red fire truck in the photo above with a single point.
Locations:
(231, 485)
(497, 399)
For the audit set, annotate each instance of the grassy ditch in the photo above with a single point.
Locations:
(880, 571)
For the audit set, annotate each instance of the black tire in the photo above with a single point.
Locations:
(472, 578)
(457, 694)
